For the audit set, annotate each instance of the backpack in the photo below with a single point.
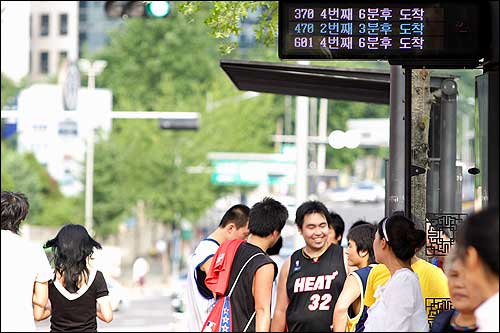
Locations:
(220, 317)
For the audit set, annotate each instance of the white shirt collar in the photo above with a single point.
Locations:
(487, 315)
(79, 292)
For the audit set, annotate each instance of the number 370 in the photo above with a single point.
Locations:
(320, 302)
(304, 13)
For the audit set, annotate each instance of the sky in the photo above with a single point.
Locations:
(15, 39)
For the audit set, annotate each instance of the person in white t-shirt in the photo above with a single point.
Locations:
(477, 246)
(25, 268)
(140, 269)
(400, 306)
(234, 225)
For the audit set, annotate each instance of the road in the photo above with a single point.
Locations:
(351, 212)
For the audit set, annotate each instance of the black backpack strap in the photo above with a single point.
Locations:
(241, 271)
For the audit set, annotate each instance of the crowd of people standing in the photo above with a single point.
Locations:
(376, 284)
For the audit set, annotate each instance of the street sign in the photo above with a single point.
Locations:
(401, 32)
(248, 169)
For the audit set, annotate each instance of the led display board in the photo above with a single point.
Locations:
(395, 31)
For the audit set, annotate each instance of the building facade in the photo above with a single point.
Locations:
(54, 36)
(94, 27)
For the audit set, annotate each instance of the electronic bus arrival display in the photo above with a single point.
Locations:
(389, 30)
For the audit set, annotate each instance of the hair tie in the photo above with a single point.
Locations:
(384, 230)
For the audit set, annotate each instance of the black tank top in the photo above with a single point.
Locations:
(242, 301)
(313, 287)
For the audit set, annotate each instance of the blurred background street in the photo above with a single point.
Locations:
(150, 310)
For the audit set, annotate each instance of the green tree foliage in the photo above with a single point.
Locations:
(21, 172)
(9, 89)
(169, 65)
(224, 22)
(225, 17)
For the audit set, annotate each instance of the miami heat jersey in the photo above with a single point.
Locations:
(313, 287)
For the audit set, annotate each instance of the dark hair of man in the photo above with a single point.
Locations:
(238, 214)
(311, 207)
(72, 246)
(338, 224)
(402, 236)
(275, 249)
(363, 235)
(359, 222)
(267, 216)
(480, 231)
(15, 207)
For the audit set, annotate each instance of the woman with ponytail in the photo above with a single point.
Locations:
(78, 292)
(400, 306)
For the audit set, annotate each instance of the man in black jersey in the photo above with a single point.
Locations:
(253, 272)
(312, 279)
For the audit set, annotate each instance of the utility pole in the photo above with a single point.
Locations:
(301, 134)
(91, 69)
(322, 132)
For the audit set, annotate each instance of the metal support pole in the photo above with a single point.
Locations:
(89, 169)
(395, 185)
(448, 147)
(301, 129)
(432, 200)
(323, 122)
(89, 181)
(92, 69)
(407, 141)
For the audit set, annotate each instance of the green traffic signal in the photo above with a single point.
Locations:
(158, 8)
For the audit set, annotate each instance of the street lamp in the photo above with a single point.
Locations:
(211, 105)
(91, 69)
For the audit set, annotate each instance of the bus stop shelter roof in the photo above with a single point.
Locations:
(359, 85)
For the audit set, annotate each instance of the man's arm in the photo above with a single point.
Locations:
(40, 293)
(206, 265)
(40, 299)
(349, 294)
(263, 278)
(348, 269)
(279, 318)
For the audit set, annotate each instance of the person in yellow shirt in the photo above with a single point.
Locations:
(433, 282)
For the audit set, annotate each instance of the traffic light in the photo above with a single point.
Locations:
(191, 123)
(150, 9)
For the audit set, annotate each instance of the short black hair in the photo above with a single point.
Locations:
(275, 249)
(267, 216)
(15, 207)
(480, 231)
(337, 224)
(311, 207)
(363, 235)
(359, 222)
(237, 214)
(403, 238)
